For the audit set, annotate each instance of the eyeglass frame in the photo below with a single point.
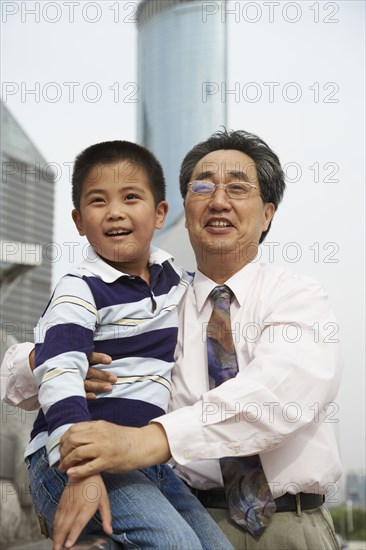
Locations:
(224, 186)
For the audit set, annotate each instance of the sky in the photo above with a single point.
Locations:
(295, 77)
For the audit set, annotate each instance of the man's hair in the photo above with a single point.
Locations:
(270, 174)
(112, 152)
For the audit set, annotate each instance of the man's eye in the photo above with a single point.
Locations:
(239, 187)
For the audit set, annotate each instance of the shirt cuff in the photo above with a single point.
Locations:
(185, 437)
(53, 445)
(18, 387)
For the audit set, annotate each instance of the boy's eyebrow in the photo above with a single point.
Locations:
(93, 191)
(237, 174)
(132, 187)
(125, 188)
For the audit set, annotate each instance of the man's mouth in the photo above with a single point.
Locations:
(219, 223)
(118, 232)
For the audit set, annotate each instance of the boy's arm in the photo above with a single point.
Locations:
(64, 339)
(78, 504)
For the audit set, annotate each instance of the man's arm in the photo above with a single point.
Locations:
(282, 371)
(19, 388)
(124, 449)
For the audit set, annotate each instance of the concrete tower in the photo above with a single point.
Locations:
(181, 62)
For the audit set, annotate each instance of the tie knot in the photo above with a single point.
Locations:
(221, 292)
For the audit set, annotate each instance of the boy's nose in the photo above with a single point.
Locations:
(115, 212)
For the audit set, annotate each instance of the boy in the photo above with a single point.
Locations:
(122, 299)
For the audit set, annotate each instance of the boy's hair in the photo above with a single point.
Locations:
(270, 174)
(112, 152)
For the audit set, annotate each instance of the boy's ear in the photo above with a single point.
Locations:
(78, 222)
(160, 214)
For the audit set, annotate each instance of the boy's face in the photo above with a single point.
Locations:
(118, 215)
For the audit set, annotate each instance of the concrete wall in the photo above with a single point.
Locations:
(17, 518)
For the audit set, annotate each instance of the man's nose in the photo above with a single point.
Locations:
(219, 199)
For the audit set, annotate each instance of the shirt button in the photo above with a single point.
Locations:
(237, 449)
(186, 454)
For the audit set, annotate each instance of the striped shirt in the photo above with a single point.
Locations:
(97, 308)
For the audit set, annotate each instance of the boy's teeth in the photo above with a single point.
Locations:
(119, 232)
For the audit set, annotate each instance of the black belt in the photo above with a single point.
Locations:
(215, 498)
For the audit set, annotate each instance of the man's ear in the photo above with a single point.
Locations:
(269, 212)
(78, 222)
(160, 214)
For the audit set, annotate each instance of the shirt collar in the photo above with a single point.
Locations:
(97, 266)
(239, 284)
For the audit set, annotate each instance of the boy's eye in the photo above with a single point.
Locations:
(131, 197)
(96, 199)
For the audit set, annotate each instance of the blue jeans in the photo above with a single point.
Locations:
(151, 508)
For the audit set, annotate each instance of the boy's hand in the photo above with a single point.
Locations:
(78, 504)
(98, 381)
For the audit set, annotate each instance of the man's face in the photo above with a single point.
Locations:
(223, 228)
(118, 215)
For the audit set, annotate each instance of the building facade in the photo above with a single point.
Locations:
(26, 229)
(181, 66)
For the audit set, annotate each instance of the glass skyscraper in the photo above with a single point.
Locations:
(181, 62)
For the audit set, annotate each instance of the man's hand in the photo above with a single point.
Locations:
(88, 448)
(32, 359)
(78, 504)
(98, 381)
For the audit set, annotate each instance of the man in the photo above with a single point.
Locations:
(274, 407)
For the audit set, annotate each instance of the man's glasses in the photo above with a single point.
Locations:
(234, 189)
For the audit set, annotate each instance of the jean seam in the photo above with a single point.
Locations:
(162, 479)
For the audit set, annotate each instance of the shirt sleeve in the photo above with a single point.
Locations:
(64, 339)
(289, 372)
(18, 387)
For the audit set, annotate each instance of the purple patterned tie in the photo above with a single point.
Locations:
(249, 498)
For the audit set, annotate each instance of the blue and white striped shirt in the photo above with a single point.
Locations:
(97, 308)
